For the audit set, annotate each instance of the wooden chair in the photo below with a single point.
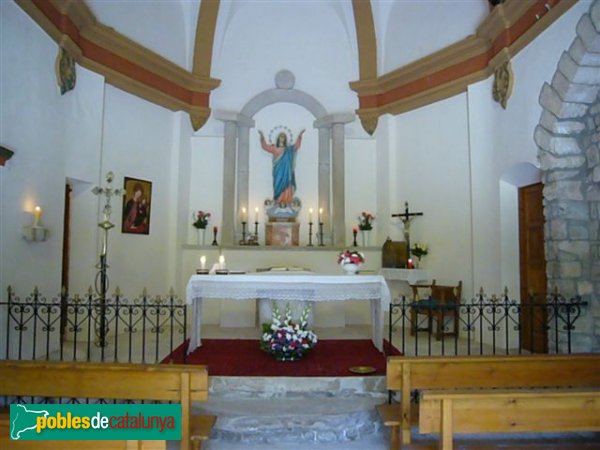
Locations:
(443, 302)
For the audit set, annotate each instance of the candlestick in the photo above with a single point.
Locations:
(256, 232)
(215, 230)
(354, 233)
(310, 215)
(321, 234)
(37, 214)
(203, 262)
(243, 232)
(310, 224)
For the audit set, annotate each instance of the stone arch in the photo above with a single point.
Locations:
(278, 95)
(568, 139)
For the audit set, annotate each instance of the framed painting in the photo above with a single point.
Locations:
(137, 204)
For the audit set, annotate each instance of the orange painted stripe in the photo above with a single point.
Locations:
(464, 68)
(117, 63)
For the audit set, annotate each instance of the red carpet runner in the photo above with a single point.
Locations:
(243, 357)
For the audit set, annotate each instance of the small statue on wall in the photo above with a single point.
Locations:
(283, 205)
(503, 83)
(66, 74)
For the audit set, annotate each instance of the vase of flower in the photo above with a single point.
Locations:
(200, 236)
(419, 250)
(350, 268)
(365, 224)
(285, 339)
(365, 238)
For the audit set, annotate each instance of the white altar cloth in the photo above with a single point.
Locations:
(288, 286)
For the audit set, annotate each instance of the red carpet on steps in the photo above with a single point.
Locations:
(243, 357)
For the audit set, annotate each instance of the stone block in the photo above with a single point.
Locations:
(593, 192)
(578, 231)
(557, 145)
(574, 92)
(567, 288)
(585, 288)
(557, 175)
(569, 269)
(593, 156)
(595, 15)
(567, 209)
(588, 34)
(551, 123)
(575, 250)
(566, 190)
(558, 229)
(550, 100)
(595, 273)
(582, 56)
(549, 161)
(596, 174)
(575, 73)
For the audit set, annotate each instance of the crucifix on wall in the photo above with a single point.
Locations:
(407, 217)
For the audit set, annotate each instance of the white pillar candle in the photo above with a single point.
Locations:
(203, 262)
(37, 215)
(310, 215)
(221, 262)
(243, 214)
(320, 215)
(256, 214)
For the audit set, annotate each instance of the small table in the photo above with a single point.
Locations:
(289, 287)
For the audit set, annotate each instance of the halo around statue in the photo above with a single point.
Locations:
(280, 129)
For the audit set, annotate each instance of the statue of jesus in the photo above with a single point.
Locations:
(284, 161)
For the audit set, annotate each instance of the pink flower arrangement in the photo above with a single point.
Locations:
(201, 219)
(350, 257)
(365, 221)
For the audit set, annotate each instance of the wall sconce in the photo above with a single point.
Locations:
(36, 232)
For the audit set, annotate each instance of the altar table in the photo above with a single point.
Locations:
(288, 286)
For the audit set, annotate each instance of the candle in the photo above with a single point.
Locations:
(221, 262)
(203, 262)
(256, 214)
(310, 213)
(215, 229)
(37, 214)
(320, 214)
(243, 214)
(410, 264)
(354, 231)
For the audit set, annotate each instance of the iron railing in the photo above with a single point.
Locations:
(66, 328)
(485, 325)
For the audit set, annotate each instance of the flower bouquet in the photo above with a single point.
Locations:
(200, 219)
(419, 250)
(365, 221)
(287, 340)
(351, 260)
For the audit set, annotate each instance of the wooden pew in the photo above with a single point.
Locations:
(405, 374)
(176, 383)
(507, 411)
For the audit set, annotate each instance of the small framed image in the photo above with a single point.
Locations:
(137, 204)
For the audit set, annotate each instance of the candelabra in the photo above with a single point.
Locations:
(310, 233)
(101, 282)
(214, 242)
(321, 235)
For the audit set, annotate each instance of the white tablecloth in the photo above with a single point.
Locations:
(412, 276)
(289, 286)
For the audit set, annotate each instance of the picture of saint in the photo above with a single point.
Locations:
(284, 162)
(136, 206)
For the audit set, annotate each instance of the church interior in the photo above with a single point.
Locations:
(157, 153)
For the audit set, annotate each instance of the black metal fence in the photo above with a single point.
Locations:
(80, 328)
(494, 325)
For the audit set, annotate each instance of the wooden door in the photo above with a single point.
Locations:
(534, 335)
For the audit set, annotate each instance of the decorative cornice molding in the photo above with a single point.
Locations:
(123, 62)
(507, 30)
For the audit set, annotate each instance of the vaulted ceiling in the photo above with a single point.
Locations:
(189, 54)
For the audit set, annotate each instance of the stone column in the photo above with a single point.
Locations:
(335, 214)
(324, 177)
(243, 170)
(229, 156)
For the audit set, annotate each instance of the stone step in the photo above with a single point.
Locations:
(294, 411)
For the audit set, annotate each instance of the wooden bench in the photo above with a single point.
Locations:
(405, 374)
(506, 411)
(176, 383)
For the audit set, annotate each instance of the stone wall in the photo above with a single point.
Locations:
(568, 138)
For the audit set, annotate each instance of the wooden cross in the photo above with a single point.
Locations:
(406, 216)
